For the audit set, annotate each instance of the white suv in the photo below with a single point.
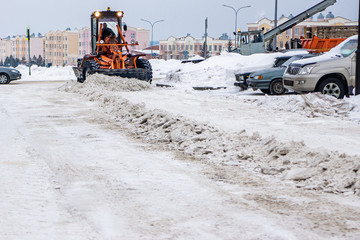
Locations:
(332, 73)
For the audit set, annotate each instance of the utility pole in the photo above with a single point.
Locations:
(357, 64)
(205, 44)
(28, 38)
(275, 24)
(152, 33)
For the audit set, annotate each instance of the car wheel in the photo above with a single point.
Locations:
(266, 91)
(277, 87)
(332, 87)
(4, 79)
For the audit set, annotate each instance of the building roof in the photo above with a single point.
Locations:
(330, 15)
(156, 47)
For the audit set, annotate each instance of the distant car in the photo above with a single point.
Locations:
(242, 77)
(8, 74)
(269, 81)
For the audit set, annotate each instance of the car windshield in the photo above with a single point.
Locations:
(110, 24)
(290, 60)
(345, 48)
(348, 48)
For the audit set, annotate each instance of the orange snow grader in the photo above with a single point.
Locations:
(110, 52)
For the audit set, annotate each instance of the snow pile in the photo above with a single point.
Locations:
(311, 104)
(162, 67)
(100, 83)
(233, 152)
(218, 71)
(43, 73)
(355, 113)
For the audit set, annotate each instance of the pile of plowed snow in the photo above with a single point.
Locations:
(217, 71)
(43, 73)
(100, 83)
(311, 104)
(293, 161)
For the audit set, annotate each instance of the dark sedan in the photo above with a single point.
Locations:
(8, 74)
(269, 81)
(242, 77)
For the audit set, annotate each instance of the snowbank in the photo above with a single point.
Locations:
(314, 105)
(290, 161)
(43, 73)
(217, 71)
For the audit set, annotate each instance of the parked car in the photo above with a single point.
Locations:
(8, 74)
(332, 73)
(242, 77)
(269, 80)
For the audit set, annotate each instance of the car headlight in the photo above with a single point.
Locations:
(306, 70)
(15, 71)
(241, 77)
(258, 77)
(299, 82)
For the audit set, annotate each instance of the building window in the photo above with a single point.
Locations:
(133, 35)
(296, 31)
(191, 47)
(220, 48)
(196, 47)
(162, 47)
(215, 48)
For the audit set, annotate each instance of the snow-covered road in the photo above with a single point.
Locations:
(69, 171)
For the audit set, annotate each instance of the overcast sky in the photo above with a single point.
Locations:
(181, 17)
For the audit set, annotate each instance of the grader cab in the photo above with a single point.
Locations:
(110, 52)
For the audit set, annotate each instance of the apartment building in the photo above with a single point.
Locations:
(61, 47)
(84, 41)
(5, 48)
(185, 47)
(306, 29)
(17, 46)
(138, 36)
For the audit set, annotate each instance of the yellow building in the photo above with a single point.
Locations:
(186, 47)
(305, 29)
(61, 48)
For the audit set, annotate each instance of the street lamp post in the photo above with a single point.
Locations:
(152, 33)
(275, 25)
(236, 12)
